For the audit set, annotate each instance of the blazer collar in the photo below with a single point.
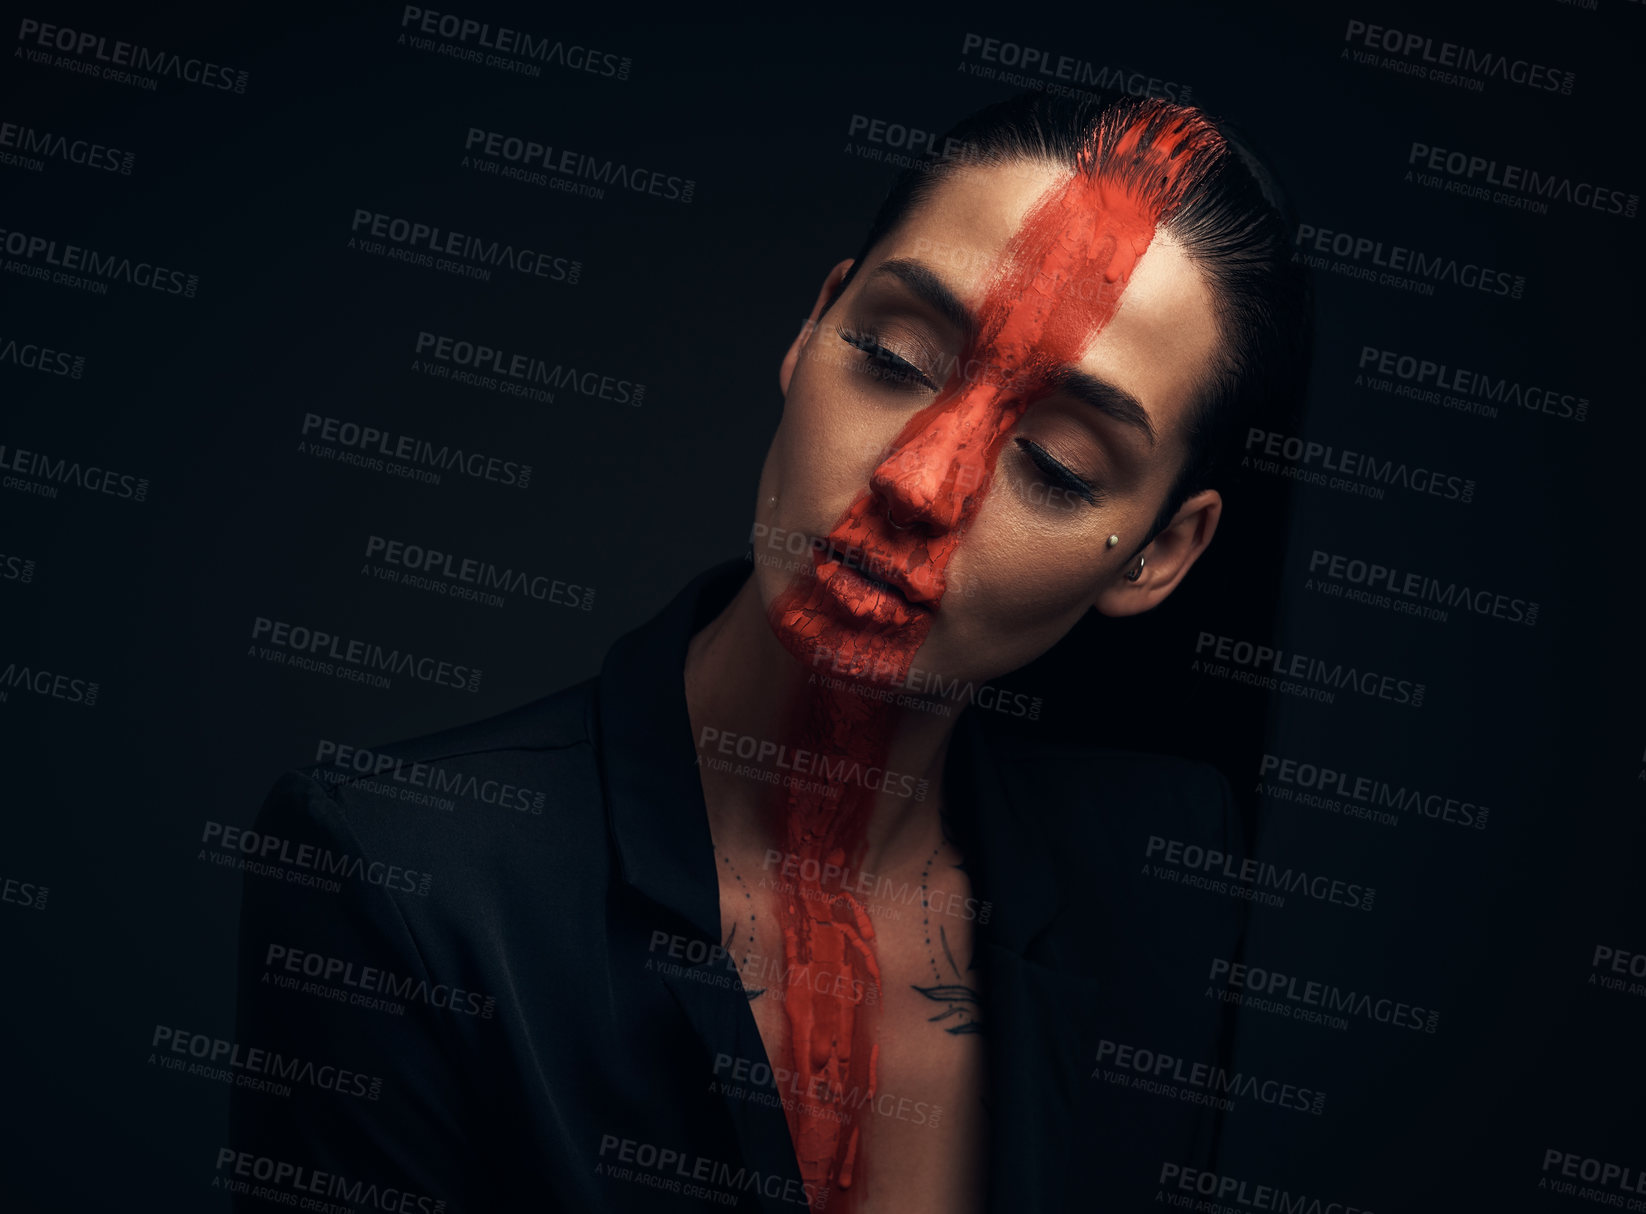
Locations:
(654, 795)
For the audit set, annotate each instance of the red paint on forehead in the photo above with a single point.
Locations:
(1059, 283)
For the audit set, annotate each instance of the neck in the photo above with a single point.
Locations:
(744, 689)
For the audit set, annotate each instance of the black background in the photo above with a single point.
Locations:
(254, 192)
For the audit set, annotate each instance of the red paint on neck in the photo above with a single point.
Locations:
(1057, 285)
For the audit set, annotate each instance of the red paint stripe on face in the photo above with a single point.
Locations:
(1058, 283)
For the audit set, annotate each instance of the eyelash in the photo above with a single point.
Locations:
(885, 366)
(891, 369)
(1043, 459)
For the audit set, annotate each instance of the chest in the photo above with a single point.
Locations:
(923, 1131)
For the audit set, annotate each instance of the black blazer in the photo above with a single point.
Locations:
(550, 943)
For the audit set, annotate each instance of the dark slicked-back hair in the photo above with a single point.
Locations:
(1230, 217)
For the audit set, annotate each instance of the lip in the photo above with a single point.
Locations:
(883, 597)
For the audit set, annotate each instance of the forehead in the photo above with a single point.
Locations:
(1163, 338)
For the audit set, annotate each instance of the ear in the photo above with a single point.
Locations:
(831, 285)
(1167, 558)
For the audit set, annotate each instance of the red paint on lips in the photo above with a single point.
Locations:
(1056, 286)
(862, 589)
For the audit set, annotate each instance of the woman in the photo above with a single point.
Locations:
(795, 929)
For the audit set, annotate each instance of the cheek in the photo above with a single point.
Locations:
(1027, 592)
(815, 469)
(826, 446)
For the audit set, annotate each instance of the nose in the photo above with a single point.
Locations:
(942, 461)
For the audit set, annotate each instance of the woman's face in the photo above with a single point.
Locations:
(1071, 471)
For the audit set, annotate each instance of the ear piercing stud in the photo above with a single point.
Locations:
(1131, 574)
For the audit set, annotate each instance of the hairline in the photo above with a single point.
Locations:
(1207, 384)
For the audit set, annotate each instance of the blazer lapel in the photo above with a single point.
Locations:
(1039, 1064)
(1069, 967)
(654, 799)
(1038, 1016)
(722, 1018)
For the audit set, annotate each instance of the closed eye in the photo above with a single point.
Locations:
(1059, 474)
(884, 365)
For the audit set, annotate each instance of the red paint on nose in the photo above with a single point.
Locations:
(933, 477)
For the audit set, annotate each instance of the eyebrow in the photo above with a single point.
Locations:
(932, 290)
(1100, 394)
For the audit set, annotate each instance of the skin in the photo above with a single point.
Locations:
(1034, 560)
(1029, 565)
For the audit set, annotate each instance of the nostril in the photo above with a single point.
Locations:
(895, 485)
(916, 479)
